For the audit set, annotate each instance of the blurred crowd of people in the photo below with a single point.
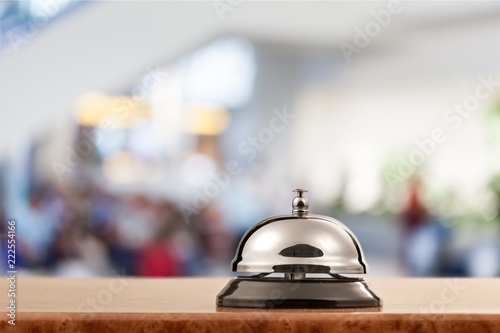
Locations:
(80, 229)
(83, 230)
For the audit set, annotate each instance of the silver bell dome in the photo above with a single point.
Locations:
(299, 243)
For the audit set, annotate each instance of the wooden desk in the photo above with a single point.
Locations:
(188, 305)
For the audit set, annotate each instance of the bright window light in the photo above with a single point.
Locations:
(221, 73)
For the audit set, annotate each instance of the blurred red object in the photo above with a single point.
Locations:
(415, 213)
(157, 259)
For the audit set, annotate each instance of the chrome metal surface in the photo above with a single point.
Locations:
(299, 243)
(294, 246)
(295, 276)
(300, 204)
(303, 293)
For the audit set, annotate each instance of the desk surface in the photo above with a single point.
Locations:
(188, 305)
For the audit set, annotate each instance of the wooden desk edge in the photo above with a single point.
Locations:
(252, 322)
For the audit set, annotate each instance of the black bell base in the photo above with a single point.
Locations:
(278, 293)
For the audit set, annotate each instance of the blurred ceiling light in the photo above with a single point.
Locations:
(205, 119)
(222, 72)
(97, 109)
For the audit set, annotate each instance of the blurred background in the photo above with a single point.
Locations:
(144, 138)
